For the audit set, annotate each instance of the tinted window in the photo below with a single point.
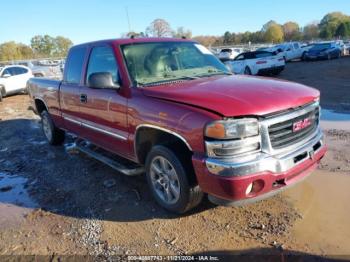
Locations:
(75, 65)
(102, 60)
(263, 54)
(19, 70)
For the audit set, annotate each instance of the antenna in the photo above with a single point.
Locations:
(127, 16)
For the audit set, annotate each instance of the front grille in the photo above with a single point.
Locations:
(282, 134)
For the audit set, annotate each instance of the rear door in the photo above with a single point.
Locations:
(70, 89)
(10, 80)
(104, 111)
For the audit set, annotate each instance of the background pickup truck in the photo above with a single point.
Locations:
(169, 109)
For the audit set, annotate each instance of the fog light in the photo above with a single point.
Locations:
(249, 189)
(255, 187)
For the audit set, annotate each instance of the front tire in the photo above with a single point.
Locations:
(168, 181)
(54, 135)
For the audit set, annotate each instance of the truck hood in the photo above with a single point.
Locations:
(236, 95)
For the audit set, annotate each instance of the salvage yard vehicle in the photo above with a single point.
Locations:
(41, 70)
(325, 50)
(13, 80)
(169, 109)
(229, 53)
(290, 51)
(257, 63)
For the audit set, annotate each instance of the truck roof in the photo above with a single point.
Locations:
(123, 41)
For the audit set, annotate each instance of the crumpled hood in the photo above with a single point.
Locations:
(236, 95)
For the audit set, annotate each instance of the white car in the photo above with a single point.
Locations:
(290, 51)
(257, 63)
(13, 79)
(229, 53)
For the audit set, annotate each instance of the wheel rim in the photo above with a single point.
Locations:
(165, 180)
(47, 128)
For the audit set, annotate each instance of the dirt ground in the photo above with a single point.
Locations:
(54, 203)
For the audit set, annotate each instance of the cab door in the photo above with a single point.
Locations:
(69, 101)
(103, 111)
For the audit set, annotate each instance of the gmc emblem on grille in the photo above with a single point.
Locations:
(301, 124)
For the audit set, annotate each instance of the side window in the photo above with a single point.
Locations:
(19, 70)
(75, 65)
(102, 60)
(240, 57)
(296, 46)
(7, 71)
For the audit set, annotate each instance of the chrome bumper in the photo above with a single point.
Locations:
(260, 162)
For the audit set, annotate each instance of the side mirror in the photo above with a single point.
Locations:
(6, 75)
(102, 80)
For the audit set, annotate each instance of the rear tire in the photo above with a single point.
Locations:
(247, 71)
(2, 93)
(54, 135)
(166, 173)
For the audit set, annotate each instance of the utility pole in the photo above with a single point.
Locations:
(127, 16)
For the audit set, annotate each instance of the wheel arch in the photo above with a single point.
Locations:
(147, 136)
(40, 105)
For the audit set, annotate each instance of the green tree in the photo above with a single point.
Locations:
(9, 51)
(274, 34)
(291, 31)
(311, 31)
(42, 45)
(25, 51)
(330, 23)
(268, 25)
(227, 39)
(61, 46)
(343, 30)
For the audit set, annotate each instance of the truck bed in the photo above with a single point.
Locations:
(46, 90)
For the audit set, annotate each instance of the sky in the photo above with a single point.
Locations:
(88, 20)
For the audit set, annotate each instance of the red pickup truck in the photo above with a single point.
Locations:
(169, 109)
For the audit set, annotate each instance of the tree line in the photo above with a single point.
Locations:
(41, 46)
(333, 25)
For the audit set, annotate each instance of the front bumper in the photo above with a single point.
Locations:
(316, 57)
(226, 181)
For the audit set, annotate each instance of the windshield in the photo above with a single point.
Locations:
(150, 63)
(321, 46)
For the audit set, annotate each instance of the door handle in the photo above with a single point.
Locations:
(83, 98)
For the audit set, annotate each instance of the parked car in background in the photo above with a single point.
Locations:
(13, 79)
(230, 53)
(42, 70)
(289, 51)
(257, 63)
(182, 120)
(325, 50)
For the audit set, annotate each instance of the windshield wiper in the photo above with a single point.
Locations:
(165, 81)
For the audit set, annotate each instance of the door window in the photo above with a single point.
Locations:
(102, 60)
(75, 65)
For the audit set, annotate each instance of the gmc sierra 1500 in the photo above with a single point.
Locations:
(170, 109)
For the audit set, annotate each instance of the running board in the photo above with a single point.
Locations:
(128, 168)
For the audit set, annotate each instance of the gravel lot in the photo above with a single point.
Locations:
(56, 203)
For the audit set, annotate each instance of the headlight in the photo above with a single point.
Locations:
(232, 129)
